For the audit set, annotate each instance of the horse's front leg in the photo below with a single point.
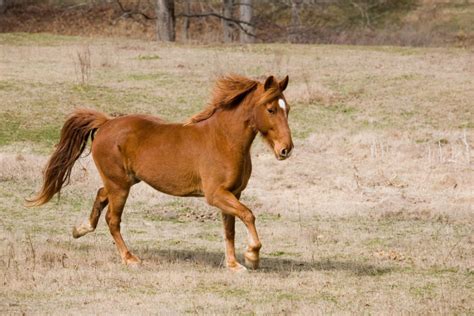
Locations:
(229, 236)
(231, 206)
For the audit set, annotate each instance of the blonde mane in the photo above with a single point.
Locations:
(229, 91)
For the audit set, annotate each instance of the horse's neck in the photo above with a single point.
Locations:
(234, 129)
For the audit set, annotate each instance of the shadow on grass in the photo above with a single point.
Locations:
(267, 264)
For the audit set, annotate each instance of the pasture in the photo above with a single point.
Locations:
(373, 213)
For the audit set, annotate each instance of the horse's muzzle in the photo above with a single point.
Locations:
(285, 153)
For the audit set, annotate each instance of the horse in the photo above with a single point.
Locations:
(206, 156)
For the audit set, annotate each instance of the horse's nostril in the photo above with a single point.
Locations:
(284, 152)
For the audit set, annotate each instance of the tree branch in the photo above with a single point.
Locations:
(133, 12)
(364, 13)
(236, 22)
(217, 15)
(239, 23)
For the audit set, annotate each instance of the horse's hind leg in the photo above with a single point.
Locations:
(90, 224)
(117, 198)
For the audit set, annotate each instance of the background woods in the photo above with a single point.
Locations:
(394, 22)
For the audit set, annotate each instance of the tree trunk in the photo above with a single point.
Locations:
(3, 6)
(227, 25)
(165, 21)
(186, 21)
(246, 16)
(295, 27)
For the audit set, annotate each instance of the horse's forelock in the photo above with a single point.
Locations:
(269, 95)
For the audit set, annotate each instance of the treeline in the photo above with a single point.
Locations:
(266, 20)
(246, 20)
(394, 22)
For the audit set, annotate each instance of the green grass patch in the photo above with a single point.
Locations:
(44, 39)
(161, 78)
(306, 119)
(375, 242)
(8, 85)
(15, 130)
(148, 57)
(469, 124)
(424, 291)
(270, 217)
(288, 296)
(437, 270)
(209, 236)
(280, 253)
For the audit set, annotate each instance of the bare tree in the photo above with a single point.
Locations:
(247, 31)
(229, 23)
(226, 24)
(186, 20)
(166, 18)
(165, 21)
(295, 26)
(3, 6)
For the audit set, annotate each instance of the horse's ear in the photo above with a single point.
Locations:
(284, 83)
(269, 82)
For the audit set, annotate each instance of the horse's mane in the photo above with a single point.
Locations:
(229, 91)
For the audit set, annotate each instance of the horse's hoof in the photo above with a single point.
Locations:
(75, 233)
(237, 267)
(252, 260)
(132, 261)
(134, 265)
(81, 230)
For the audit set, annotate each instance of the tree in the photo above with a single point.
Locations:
(4, 5)
(247, 30)
(295, 21)
(186, 22)
(166, 16)
(165, 21)
(227, 24)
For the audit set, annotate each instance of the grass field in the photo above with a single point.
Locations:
(372, 214)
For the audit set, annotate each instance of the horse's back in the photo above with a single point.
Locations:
(121, 132)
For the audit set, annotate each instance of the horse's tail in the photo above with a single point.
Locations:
(75, 133)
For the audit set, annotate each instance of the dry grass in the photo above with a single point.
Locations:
(373, 214)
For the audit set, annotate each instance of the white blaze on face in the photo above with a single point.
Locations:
(282, 104)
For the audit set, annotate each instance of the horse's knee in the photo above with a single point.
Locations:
(248, 217)
(102, 195)
(112, 220)
(108, 217)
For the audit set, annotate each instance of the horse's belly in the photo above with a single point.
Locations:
(173, 182)
(176, 191)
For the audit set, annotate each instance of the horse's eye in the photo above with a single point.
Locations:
(271, 111)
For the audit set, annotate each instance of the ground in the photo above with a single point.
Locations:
(372, 214)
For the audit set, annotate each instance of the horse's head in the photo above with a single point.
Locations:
(271, 117)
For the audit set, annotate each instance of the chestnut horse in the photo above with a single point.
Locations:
(208, 156)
